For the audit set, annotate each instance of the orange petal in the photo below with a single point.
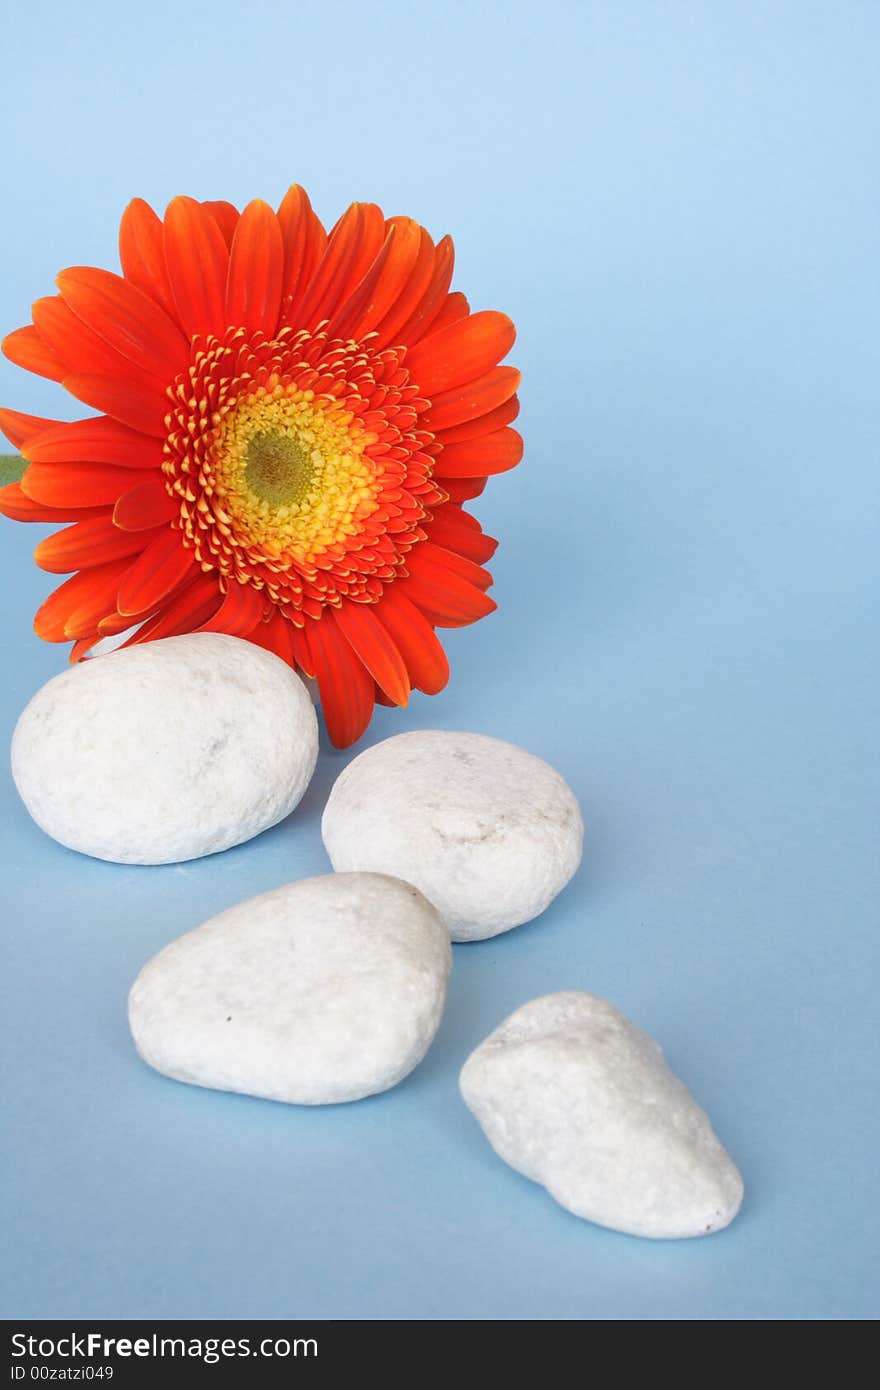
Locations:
(463, 489)
(114, 624)
(184, 611)
(415, 639)
(142, 253)
(492, 453)
(89, 543)
(455, 605)
(476, 398)
(304, 242)
(352, 246)
(91, 589)
(81, 648)
(239, 613)
(428, 558)
(87, 485)
(19, 507)
(145, 505)
(412, 292)
(376, 649)
(460, 352)
(473, 426)
(345, 685)
(125, 317)
(137, 406)
(447, 588)
(26, 349)
(455, 307)
(434, 297)
(275, 635)
(18, 428)
(155, 574)
(302, 655)
(84, 617)
(78, 345)
(382, 285)
(459, 531)
(226, 216)
(98, 440)
(198, 264)
(256, 264)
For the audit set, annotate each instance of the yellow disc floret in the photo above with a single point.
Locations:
(291, 474)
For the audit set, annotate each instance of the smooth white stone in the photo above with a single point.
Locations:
(488, 832)
(574, 1096)
(166, 751)
(325, 990)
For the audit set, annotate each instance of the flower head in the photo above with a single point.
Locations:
(290, 425)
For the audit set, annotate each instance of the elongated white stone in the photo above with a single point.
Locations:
(166, 751)
(325, 990)
(574, 1096)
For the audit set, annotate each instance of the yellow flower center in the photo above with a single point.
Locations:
(291, 473)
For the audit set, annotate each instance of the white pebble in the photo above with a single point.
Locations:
(325, 990)
(574, 1096)
(488, 832)
(166, 751)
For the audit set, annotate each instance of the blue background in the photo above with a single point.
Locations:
(678, 204)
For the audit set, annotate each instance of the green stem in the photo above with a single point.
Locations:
(11, 468)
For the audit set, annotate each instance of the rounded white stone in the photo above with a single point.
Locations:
(574, 1096)
(166, 751)
(325, 990)
(488, 832)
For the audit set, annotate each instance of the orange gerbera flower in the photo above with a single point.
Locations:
(291, 424)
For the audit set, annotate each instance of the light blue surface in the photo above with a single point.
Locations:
(678, 205)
